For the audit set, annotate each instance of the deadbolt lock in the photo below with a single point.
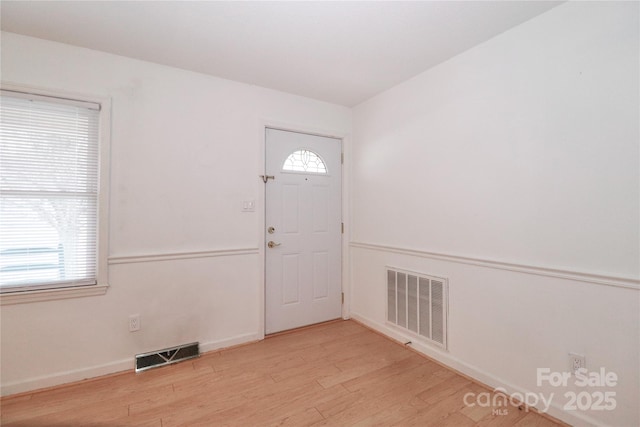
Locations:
(271, 230)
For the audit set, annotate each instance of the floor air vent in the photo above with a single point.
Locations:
(419, 304)
(167, 356)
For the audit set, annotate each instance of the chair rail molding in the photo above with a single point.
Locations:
(170, 256)
(598, 279)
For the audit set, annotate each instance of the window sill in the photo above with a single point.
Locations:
(52, 294)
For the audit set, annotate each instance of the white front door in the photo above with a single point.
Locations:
(304, 230)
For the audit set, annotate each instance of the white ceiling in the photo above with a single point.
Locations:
(341, 52)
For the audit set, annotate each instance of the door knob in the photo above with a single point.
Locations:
(273, 244)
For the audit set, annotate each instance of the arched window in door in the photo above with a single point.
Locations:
(304, 161)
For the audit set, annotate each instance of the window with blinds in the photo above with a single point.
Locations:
(49, 166)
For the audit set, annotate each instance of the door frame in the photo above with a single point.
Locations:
(262, 206)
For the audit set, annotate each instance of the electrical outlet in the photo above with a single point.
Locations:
(134, 322)
(576, 361)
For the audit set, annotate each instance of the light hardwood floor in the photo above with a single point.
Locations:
(334, 374)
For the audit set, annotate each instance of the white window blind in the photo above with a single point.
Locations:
(48, 192)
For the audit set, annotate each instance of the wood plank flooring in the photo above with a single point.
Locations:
(334, 374)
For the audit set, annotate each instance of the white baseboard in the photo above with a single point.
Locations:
(230, 342)
(471, 371)
(59, 378)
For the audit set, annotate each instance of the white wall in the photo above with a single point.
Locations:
(513, 171)
(187, 149)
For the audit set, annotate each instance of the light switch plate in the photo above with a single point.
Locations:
(249, 206)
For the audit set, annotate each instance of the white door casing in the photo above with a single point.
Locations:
(303, 218)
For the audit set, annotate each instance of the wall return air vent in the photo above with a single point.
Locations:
(166, 356)
(418, 303)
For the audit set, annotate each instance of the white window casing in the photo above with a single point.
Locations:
(54, 176)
